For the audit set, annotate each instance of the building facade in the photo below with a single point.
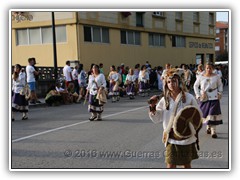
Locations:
(113, 38)
(222, 40)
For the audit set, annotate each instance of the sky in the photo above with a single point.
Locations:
(222, 16)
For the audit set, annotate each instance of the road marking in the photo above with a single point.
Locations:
(70, 125)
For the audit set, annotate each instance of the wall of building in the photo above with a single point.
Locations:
(44, 52)
(116, 53)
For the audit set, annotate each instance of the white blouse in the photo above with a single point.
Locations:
(211, 85)
(163, 115)
(96, 82)
(131, 78)
(143, 76)
(19, 83)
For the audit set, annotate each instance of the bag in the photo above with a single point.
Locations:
(25, 91)
(102, 96)
(204, 97)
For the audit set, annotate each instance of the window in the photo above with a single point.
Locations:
(130, 37)
(217, 48)
(41, 35)
(160, 13)
(139, 19)
(211, 18)
(22, 36)
(47, 35)
(96, 34)
(61, 34)
(156, 39)
(178, 41)
(217, 39)
(217, 30)
(178, 15)
(34, 36)
(195, 16)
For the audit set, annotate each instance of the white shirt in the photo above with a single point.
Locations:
(206, 83)
(30, 73)
(163, 115)
(75, 74)
(131, 78)
(19, 83)
(143, 77)
(95, 83)
(66, 72)
(113, 76)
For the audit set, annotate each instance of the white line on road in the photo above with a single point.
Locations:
(70, 125)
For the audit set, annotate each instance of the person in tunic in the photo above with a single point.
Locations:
(130, 83)
(114, 78)
(179, 151)
(19, 102)
(96, 84)
(143, 81)
(199, 71)
(82, 82)
(209, 94)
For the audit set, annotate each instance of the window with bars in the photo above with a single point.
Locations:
(130, 37)
(178, 41)
(139, 19)
(178, 15)
(156, 39)
(211, 18)
(96, 34)
(195, 16)
(41, 35)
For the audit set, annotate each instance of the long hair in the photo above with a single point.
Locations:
(16, 74)
(176, 74)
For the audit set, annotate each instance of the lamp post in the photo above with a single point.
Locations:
(54, 47)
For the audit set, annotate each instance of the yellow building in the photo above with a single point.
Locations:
(113, 38)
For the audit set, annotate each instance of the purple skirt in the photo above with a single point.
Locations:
(94, 105)
(211, 112)
(143, 86)
(19, 103)
(130, 88)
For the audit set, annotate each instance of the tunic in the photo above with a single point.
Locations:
(211, 87)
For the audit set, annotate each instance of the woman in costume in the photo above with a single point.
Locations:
(114, 78)
(199, 71)
(130, 84)
(19, 102)
(143, 79)
(180, 149)
(82, 82)
(209, 94)
(96, 84)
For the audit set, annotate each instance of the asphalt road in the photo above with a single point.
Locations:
(62, 137)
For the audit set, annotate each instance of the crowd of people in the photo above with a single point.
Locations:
(190, 92)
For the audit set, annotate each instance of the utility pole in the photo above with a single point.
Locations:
(54, 47)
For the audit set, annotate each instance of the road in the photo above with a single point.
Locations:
(62, 137)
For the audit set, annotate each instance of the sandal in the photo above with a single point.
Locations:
(24, 118)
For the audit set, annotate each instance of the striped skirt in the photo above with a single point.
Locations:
(19, 103)
(94, 105)
(211, 112)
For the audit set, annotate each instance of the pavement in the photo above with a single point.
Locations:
(62, 137)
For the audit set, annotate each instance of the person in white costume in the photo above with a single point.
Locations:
(179, 151)
(209, 94)
(96, 83)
